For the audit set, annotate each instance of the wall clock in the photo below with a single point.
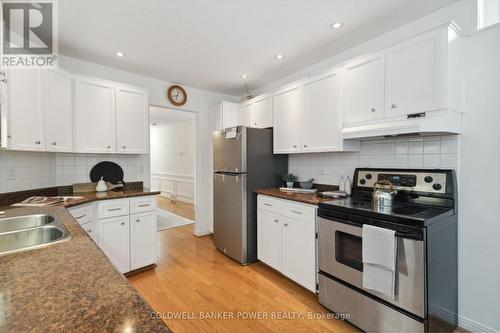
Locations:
(177, 95)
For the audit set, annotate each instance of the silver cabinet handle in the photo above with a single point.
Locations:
(144, 205)
(394, 106)
(54, 143)
(267, 204)
(373, 109)
(37, 142)
(113, 209)
(123, 223)
(296, 211)
(81, 216)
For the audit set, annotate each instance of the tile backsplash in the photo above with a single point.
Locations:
(410, 152)
(26, 170)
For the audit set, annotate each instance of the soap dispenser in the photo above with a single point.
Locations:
(342, 184)
(101, 186)
(348, 186)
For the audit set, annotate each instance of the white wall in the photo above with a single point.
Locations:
(198, 101)
(172, 159)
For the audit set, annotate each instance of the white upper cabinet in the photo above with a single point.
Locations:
(132, 120)
(322, 125)
(95, 116)
(58, 111)
(25, 100)
(245, 113)
(224, 115)
(287, 117)
(364, 89)
(414, 75)
(262, 115)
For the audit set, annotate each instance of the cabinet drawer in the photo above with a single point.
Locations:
(301, 213)
(84, 214)
(143, 204)
(111, 208)
(269, 204)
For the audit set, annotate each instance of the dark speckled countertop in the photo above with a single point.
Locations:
(70, 286)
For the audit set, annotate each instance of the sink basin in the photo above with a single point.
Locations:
(29, 232)
(24, 222)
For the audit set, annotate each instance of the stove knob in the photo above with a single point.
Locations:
(436, 186)
(368, 176)
(428, 179)
(362, 182)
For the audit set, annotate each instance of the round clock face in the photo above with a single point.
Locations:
(177, 95)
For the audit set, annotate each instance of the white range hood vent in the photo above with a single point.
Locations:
(426, 123)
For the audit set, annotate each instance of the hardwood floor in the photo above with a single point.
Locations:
(179, 208)
(193, 280)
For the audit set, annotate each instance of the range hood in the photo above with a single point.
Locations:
(425, 123)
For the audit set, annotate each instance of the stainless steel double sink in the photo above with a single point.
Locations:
(22, 233)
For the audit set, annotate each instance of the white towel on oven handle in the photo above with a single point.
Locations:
(379, 259)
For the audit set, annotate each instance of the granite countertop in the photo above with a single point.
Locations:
(95, 196)
(307, 198)
(70, 286)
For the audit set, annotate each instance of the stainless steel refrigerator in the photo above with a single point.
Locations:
(243, 162)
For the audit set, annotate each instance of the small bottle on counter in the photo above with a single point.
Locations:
(348, 186)
(342, 184)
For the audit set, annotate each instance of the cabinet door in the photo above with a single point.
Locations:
(299, 262)
(263, 112)
(321, 127)
(114, 238)
(132, 120)
(414, 75)
(143, 239)
(91, 229)
(58, 112)
(95, 116)
(269, 242)
(287, 117)
(215, 119)
(364, 89)
(245, 114)
(25, 102)
(230, 116)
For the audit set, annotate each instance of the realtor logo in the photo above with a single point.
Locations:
(29, 37)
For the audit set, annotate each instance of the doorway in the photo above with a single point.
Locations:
(173, 149)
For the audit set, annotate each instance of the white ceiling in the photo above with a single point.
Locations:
(166, 116)
(208, 44)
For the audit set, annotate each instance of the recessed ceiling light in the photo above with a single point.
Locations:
(120, 54)
(336, 25)
(279, 56)
(244, 76)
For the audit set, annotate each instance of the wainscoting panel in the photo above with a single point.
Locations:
(174, 186)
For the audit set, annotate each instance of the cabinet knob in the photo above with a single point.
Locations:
(89, 230)
(54, 143)
(137, 220)
(124, 147)
(108, 147)
(286, 224)
(305, 146)
(394, 106)
(295, 146)
(373, 109)
(276, 220)
(123, 223)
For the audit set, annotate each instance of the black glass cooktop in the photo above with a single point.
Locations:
(409, 212)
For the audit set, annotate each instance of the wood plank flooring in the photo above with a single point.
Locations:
(179, 208)
(193, 280)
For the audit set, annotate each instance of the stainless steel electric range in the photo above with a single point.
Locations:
(424, 217)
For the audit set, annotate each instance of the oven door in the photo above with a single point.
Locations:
(340, 255)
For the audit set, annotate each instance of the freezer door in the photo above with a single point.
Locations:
(230, 215)
(230, 152)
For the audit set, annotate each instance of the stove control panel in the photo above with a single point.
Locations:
(431, 181)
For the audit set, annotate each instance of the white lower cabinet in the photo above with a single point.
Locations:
(114, 240)
(124, 229)
(286, 239)
(142, 234)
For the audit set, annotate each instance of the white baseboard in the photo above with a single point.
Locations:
(179, 197)
(203, 232)
(474, 326)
